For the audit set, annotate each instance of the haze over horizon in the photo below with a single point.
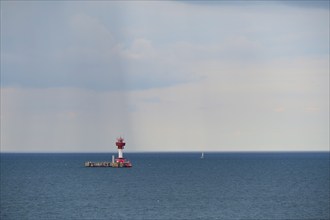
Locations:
(165, 75)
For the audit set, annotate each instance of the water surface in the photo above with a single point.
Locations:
(166, 186)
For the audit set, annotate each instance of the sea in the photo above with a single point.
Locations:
(166, 186)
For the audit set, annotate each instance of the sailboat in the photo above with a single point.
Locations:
(202, 156)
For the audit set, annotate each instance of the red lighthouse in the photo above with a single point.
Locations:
(120, 144)
(121, 161)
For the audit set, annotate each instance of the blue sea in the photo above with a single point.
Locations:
(166, 186)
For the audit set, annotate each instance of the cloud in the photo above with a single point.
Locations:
(140, 49)
(62, 119)
(89, 29)
(307, 4)
(91, 58)
(87, 50)
(323, 4)
(166, 75)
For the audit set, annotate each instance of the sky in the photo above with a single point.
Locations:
(165, 75)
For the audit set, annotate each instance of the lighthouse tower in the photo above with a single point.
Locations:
(120, 161)
(120, 144)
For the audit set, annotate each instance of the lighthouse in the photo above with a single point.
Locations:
(120, 144)
(121, 161)
(116, 163)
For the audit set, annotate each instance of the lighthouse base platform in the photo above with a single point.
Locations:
(117, 164)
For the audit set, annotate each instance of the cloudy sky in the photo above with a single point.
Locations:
(168, 76)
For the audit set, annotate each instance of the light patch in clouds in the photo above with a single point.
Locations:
(312, 109)
(279, 109)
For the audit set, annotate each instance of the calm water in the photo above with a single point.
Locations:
(166, 186)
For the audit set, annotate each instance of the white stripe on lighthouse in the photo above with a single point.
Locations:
(120, 153)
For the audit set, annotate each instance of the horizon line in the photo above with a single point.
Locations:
(180, 152)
